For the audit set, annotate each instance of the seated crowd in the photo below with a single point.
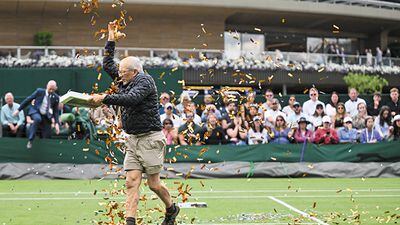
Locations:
(237, 120)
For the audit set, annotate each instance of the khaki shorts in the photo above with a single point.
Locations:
(145, 152)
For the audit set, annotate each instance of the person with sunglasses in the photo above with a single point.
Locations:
(269, 96)
(169, 108)
(271, 114)
(316, 118)
(164, 99)
(281, 133)
(297, 114)
(310, 105)
(338, 118)
(289, 109)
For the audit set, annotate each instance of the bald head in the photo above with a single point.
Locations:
(51, 86)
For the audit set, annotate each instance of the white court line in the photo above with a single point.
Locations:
(197, 197)
(298, 211)
(212, 191)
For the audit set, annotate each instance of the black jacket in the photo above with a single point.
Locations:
(138, 98)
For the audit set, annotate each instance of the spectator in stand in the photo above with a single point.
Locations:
(394, 103)
(250, 100)
(227, 114)
(102, 117)
(369, 134)
(316, 118)
(184, 100)
(302, 133)
(378, 56)
(294, 117)
(257, 133)
(310, 105)
(326, 134)
(395, 134)
(330, 107)
(368, 52)
(359, 119)
(347, 134)
(338, 119)
(164, 99)
(271, 114)
(169, 108)
(12, 125)
(374, 108)
(170, 133)
(212, 133)
(269, 96)
(210, 109)
(383, 122)
(253, 112)
(192, 107)
(189, 132)
(237, 132)
(289, 109)
(42, 112)
(351, 104)
(281, 134)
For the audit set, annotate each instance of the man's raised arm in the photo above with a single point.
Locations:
(109, 64)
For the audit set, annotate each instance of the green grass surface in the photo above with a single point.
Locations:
(232, 201)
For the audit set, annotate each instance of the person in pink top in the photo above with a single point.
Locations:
(302, 133)
(169, 132)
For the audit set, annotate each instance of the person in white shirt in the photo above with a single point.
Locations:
(271, 114)
(269, 95)
(257, 133)
(330, 108)
(310, 105)
(168, 109)
(296, 115)
(352, 103)
(196, 119)
(289, 109)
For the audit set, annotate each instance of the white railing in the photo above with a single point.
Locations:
(364, 3)
(72, 51)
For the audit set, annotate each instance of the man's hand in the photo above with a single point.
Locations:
(111, 31)
(16, 113)
(97, 98)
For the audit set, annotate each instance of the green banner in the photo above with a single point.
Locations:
(80, 152)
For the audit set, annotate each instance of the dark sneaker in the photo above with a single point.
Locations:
(171, 216)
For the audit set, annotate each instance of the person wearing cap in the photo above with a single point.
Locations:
(257, 133)
(303, 134)
(289, 109)
(310, 105)
(351, 104)
(395, 131)
(164, 99)
(326, 134)
(297, 114)
(168, 109)
(347, 134)
(316, 118)
(394, 103)
(369, 134)
(281, 133)
(373, 109)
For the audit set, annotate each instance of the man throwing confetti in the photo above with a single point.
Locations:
(137, 96)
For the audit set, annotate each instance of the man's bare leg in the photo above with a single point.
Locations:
(157, 187)
(133, 180)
